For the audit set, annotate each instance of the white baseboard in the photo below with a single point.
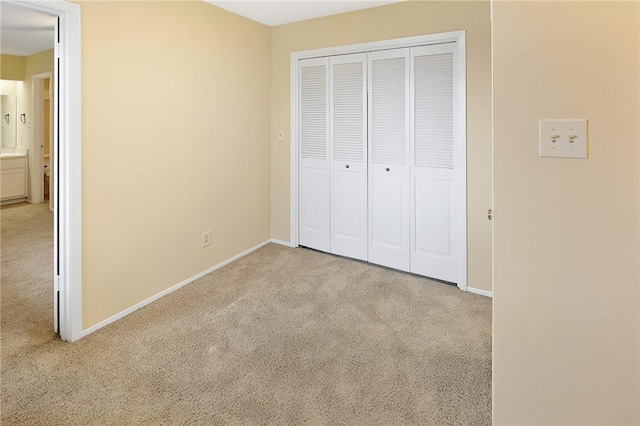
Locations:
(282, 243)
(480, 292)
(169, 290)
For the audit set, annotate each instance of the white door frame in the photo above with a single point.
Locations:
(68, 175)
(461, 197)
(37, 92)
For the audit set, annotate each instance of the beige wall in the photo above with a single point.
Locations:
(388, 22)
(175, 107)
(566, 290)
(11, 67)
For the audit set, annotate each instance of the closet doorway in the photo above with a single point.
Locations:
(378, 153)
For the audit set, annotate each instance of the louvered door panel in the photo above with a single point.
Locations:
(433, 163)
(313, 111)
(389, 232)
(348, 94)
(348, 142)
(434, 110)
(314, 178)
(388, 110)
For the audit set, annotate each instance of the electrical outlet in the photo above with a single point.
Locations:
(206, 239)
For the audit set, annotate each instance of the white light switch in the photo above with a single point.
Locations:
(280, 135)
(564, 138)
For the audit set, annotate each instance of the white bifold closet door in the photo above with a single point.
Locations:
(379, 166)
(433, 165)
(314, 187)
(389, 164)
(348, 150)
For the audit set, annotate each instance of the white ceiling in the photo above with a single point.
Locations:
(274, 13)
(24, 31)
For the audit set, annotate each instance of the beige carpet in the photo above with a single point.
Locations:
(282, 336)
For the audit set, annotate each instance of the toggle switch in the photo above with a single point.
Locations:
(564, 138)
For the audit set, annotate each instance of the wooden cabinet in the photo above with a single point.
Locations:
(13, 179)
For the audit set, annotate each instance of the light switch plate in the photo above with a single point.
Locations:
(564, 138)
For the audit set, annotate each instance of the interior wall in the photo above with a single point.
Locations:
(11, 67)
(388, 22)
(567, 284)
(34, 64)
(175, 107)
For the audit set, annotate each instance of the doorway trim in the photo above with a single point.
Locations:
(458, 37)
(68, 175)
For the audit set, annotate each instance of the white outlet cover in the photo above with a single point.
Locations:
(556, 138)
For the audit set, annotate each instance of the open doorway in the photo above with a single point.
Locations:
(28, 41)
(42, 184)
(64, 153)
(47, 133)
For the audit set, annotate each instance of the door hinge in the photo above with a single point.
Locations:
(490, 214)
(57, 50)
(56, 283)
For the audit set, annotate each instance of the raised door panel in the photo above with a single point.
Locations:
(434, 162)
(314, 212)
(433, 199)
(348, 225)
(389, 231)
(314, 179)
(433, 244)
(348, 147)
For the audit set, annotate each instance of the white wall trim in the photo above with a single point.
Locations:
(68, 204)
(282, 243)
(293, 160)
(396, 43)
(457, 37)
(170, 290)
(460, 144)
(480, 292)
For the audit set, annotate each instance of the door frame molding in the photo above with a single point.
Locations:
(68, 175)
(457, 37)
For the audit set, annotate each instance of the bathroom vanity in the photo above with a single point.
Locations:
(13, 179)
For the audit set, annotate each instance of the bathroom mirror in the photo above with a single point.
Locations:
(8, 119)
